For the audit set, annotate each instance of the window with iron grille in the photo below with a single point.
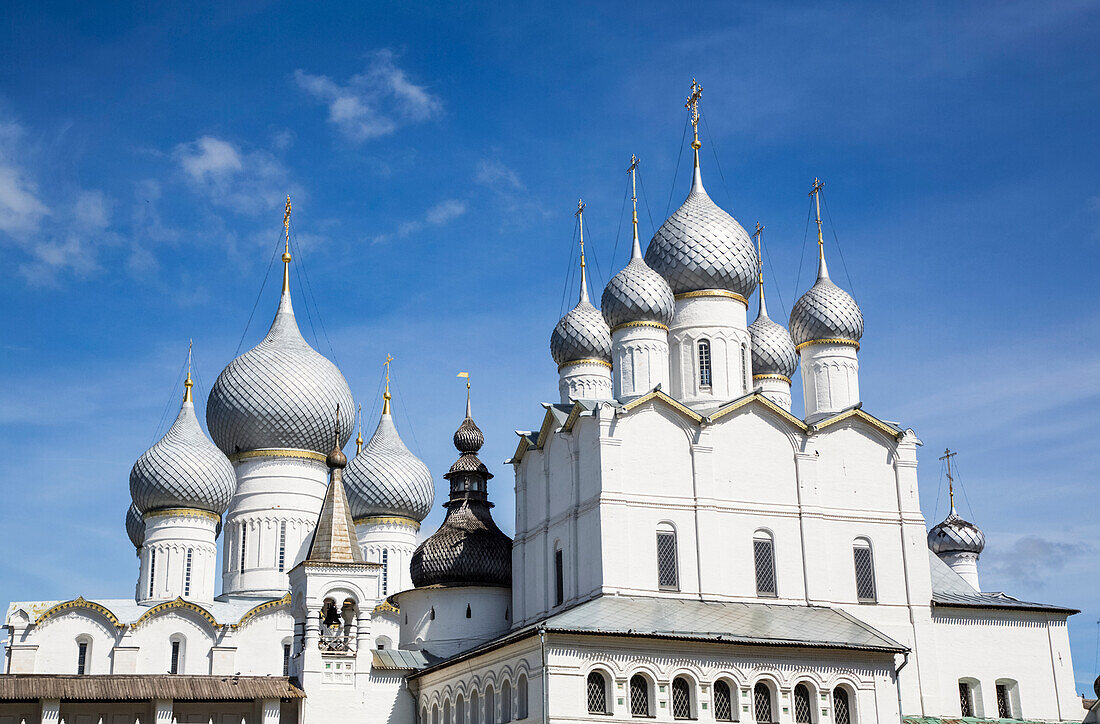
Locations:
(152, 570)
(841, 712)
(745, 367)
(597, 693)
(666, 560)
(763, 551)
(559, 578)
(282, 546)
(286, 659)
(966, 699)
(187, 574)
(723, 701)
(639, 696)
(174, 665)
(681, 698)
(865, 572)
(762, 702)
(244, 534)
(81, 657)
(802, 704)
(385, 572)
(704, 363)
(1004, 704)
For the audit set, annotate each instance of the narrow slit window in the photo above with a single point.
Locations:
(763, 550)
(152, 570)
(174, 665)
(559, 577)
(667, 575)
(865, 572)
(282, 546)
(244, 542)
(704, 363)
(82, 657)
(385, 572)
(187, 574)
(286, 659)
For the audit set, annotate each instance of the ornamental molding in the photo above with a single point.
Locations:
(629, 325)
(278, 453)
(587, 361)
(284, 602)
(840, 341)
(182, 513)
(390, 521)
(79, 603)
(720, 293)
(178, 604)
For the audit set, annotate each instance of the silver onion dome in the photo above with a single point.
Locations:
(384, 478)
(955, 535)
(582, 334)
(826, 313)
(637, 294)
(279, 395)
(183, 469)
(135, 526)
(702, 247)
(772, 349)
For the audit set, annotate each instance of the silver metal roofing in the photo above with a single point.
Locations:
(386, 479)
(955, 535)
(581, 334)
(280, 394)
(398, 659)
(637, 294)
(772, 349)
(825, 311)
(702, 247)
(135, 526)
(183, 470)
(950, 589)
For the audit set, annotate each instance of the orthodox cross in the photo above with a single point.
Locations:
(633, 171)
(580, 222)
(758, 235)
(286, 250)
(947, 455)
(693, 104)
(187, 383)
(386, 394)
(816, 193)
(359, 437)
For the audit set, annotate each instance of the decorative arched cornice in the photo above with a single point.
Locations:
(255, 611)
(857, 414)
(79, 603)
(387, 606)
(278, 453)
(177, 603)
(761, 400)
(657, 396)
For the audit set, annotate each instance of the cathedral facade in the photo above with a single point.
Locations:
(686, 548)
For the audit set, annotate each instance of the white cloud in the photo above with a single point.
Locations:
(246, 182)
(495, 173)
(515, 204)
(21, 210)
(374, 103)
(438, 215)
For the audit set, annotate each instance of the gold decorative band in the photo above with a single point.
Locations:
(585, 361)
(712, 293)
(836, 340)
(185, 512)
(388, 520)
(784, 378)
(277, 453)
(655, 325)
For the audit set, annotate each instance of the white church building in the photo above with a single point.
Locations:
(685, 547)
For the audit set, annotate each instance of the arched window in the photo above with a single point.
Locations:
(639, 696)
(435, 713)
(460, 710)
(762, 703)
(475, 708)
(559, 576)
(490, 705)
(667, 574)
(423, 715)
(1008, 695)
(282, 546)
(521, 697)
(176, 653)
(763, 553)
(446, 711)
(723, 701)
(506, 702)
(681, 698)
(704, 363)
(385, 572)
(865, 570)
(842, 707)
(970, 698)
(83, 654)
(597, 693)
(802, 712)
(286, 658)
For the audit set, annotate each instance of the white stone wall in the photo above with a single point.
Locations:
(585, 381)
(721, 321)
(390, 542)
(639, 356)
(444, 621)
(830, 378)
(179, 557)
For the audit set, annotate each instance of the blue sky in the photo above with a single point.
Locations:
(435, 155)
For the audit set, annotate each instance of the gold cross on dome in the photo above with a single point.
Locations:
(693, 102)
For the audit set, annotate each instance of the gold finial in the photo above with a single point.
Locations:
(947, 455)
(636, 253)
(187, 383)
(286, 249)
(693, 104)
(584, 276)
(386, 394)
(359, 437)
(467, 376)
(758, 234)
(816, 193)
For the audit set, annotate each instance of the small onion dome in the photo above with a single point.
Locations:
(468, 549)
(183, 470)
(702, 247)
(772, 349)
(279, 395)
(384, 478)
(582, 334)
(135, 526)
(637, 294)
(955, 535)
(826, 313)
(468, 437)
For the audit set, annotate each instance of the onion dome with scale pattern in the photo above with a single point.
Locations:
(826, 313)
(637, 295)
(582, 334)
(183, 469)
(955, 535)
(468, 549)
(385, 479)
(280, 394)
(701, 247)
(773, 352)
(135, 526)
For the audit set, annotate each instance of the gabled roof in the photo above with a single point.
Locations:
(949, 589)
(660, 397)
(856, 411)
(755, 398)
